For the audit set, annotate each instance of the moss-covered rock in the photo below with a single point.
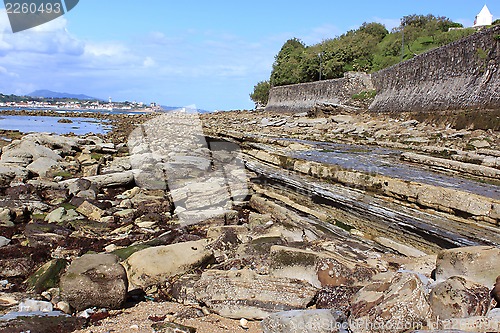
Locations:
(47, 276)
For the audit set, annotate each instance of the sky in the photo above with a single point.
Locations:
(207, 53)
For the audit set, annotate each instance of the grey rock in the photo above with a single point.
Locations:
(10, 172)
(24, 152)
(4, 241)
(79, 185)
(6, 216)
(305, 321)
(94, 280)
(108, 180)
(245, 294)
(60, 215)
(41, 166)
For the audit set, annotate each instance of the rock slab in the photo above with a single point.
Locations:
(245, 294)
(156, 264)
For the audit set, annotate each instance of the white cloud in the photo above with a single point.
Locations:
(149, 62)
(4, 71)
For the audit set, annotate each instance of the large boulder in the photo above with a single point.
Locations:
(476, 263)
(245, 294)
(94, 280)
(393, 304)
(10, 172)
(459, 298)
(305, 321)
(156, 264)
(23, 152)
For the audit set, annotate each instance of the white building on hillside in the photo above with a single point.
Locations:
(483, 18)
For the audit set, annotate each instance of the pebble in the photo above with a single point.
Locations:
(244, 323)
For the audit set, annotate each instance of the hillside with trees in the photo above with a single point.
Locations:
(369, 48)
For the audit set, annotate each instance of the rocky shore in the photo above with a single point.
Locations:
(251, 221)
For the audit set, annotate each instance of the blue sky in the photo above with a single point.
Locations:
(208, 53)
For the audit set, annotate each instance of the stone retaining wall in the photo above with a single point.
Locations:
(302, 97)
(462, 75)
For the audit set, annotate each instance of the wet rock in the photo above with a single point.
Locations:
(245, 294)
(47, 276)
(389, 305)
(94, 280)
(337, 298)
(54, 322)
(477, 263)
(305, 321)
(156, 264)
(45, 233)
(459, 298)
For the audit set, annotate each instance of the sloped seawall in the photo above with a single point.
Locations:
(460, 76)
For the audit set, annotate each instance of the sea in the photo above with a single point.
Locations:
(46, 124)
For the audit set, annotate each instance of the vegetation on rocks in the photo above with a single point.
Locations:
(369, 48)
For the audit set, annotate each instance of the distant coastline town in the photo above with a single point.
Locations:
(61, 103)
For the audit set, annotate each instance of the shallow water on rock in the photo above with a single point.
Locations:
(387, 162)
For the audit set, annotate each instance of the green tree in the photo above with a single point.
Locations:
(260, 94)
(287, 67)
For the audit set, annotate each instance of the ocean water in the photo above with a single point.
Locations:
(30, 124)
